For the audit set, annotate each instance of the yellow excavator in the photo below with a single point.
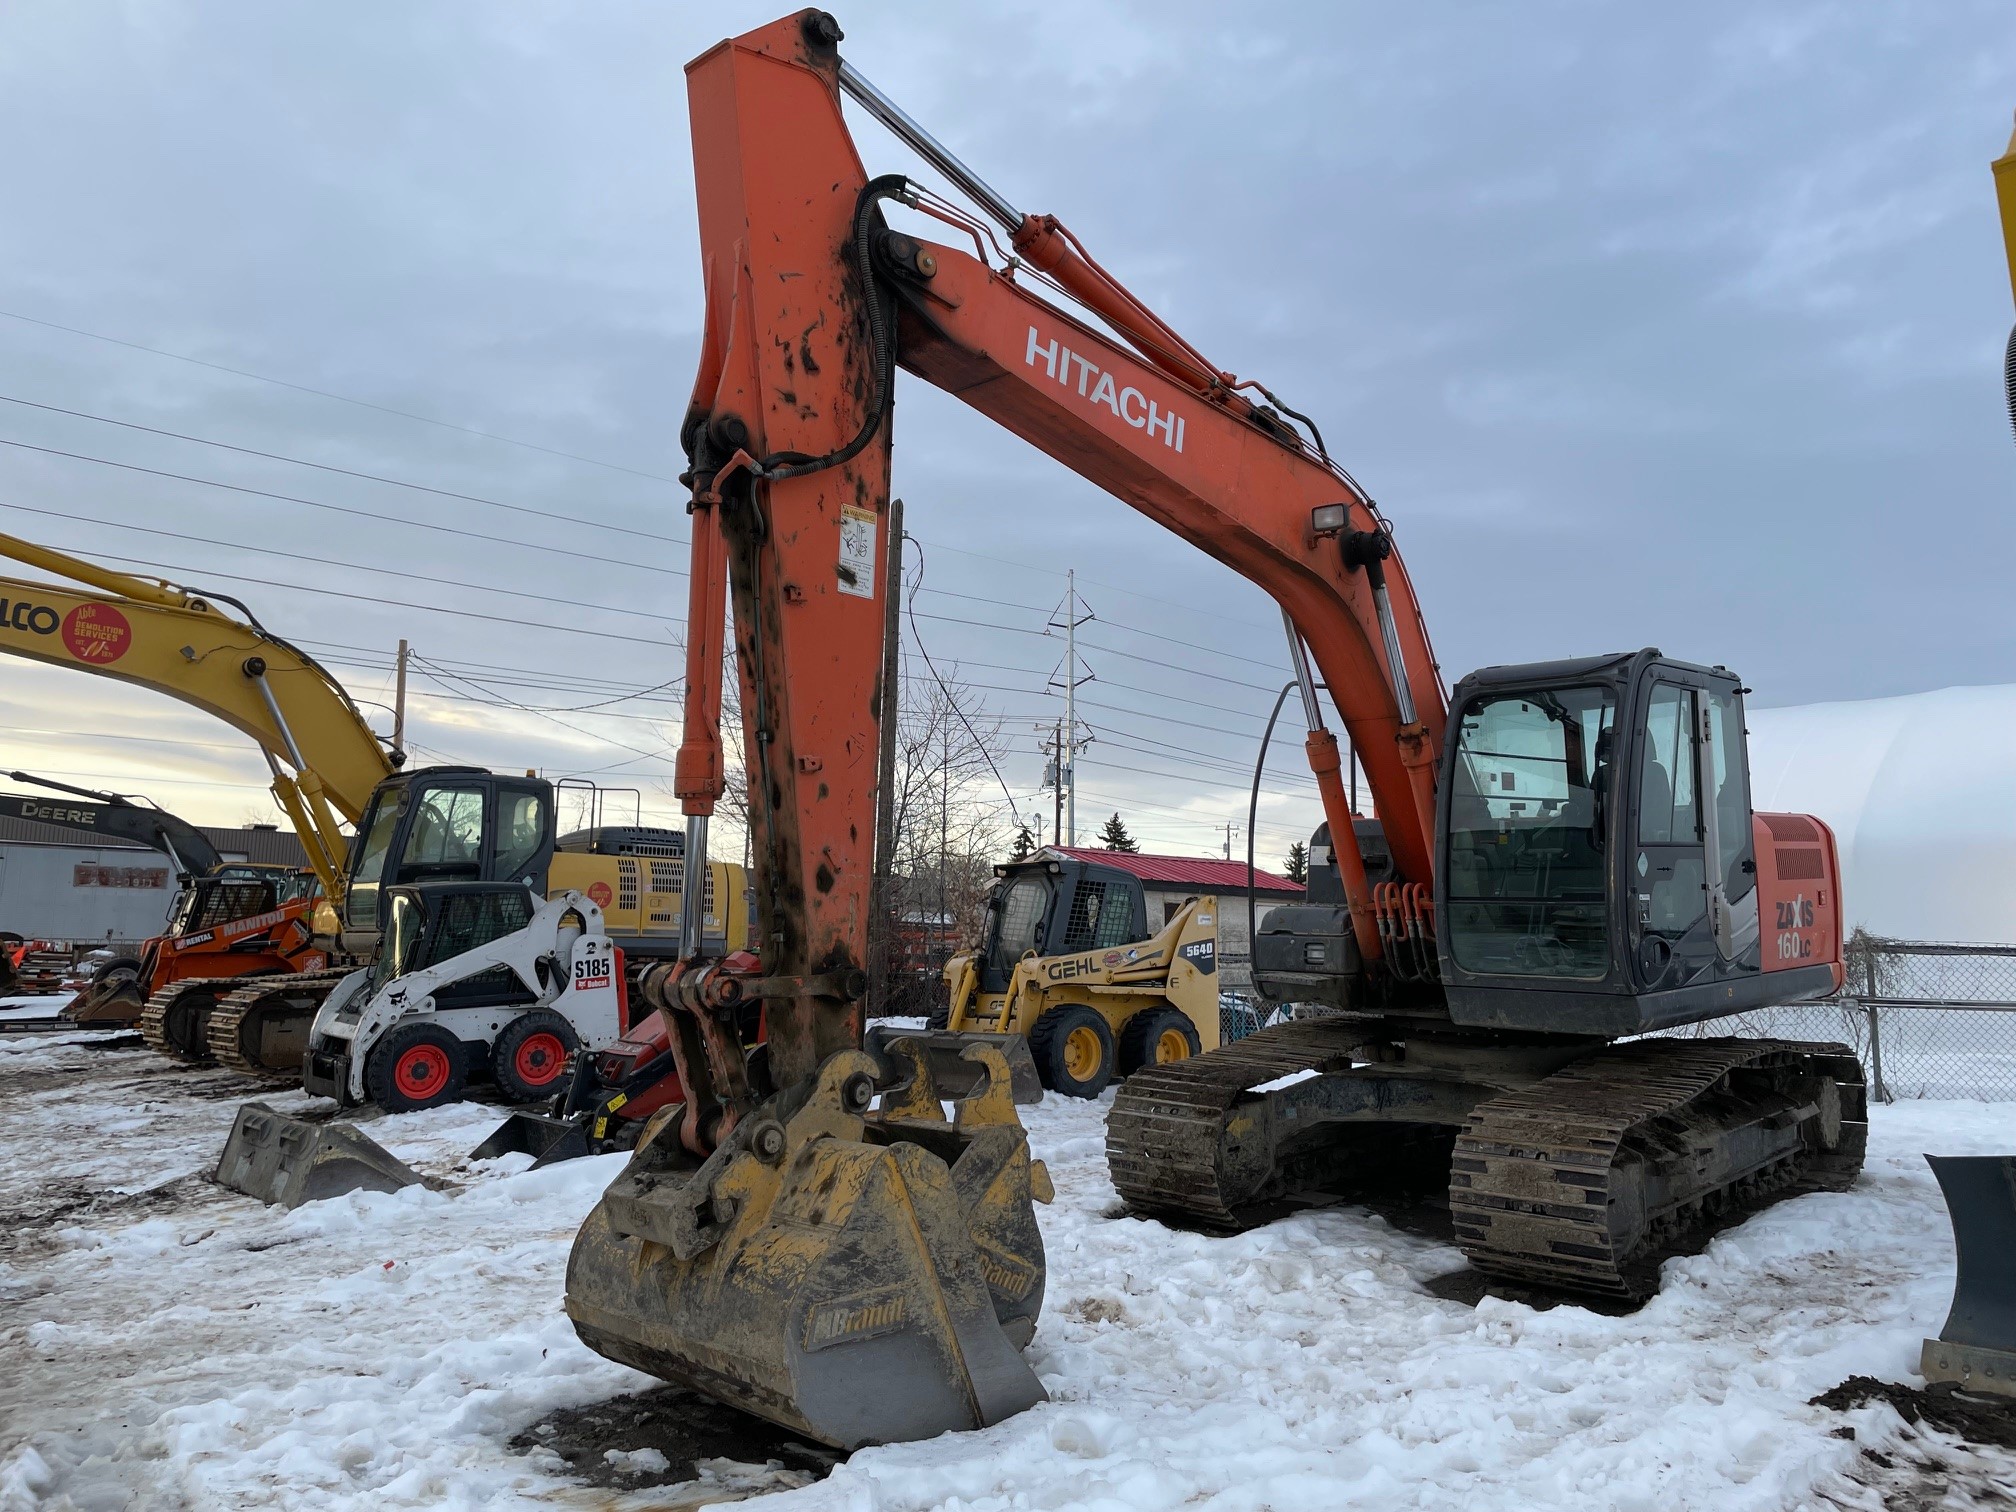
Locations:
(329, 771)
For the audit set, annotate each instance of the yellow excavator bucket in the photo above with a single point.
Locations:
(859, 1275)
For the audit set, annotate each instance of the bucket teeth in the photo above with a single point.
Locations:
(859, 1279)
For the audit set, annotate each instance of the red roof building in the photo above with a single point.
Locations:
(1201, 874)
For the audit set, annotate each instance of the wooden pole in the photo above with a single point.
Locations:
(879, 933)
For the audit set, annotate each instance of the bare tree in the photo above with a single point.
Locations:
(950, 824)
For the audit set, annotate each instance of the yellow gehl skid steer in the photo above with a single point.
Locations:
(1065, 985)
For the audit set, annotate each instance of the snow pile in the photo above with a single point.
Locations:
(170, 1344)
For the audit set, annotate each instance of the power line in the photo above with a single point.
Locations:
(362, 514)
(302, 388)
(347, 472)
(372, 598)
(329, 561)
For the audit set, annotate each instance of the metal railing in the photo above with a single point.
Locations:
(1927, 1019)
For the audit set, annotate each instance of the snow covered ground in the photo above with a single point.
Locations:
(170, 1345)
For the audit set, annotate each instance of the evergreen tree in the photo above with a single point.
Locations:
(1295, 865)
(1114, 836)
(1025, 845)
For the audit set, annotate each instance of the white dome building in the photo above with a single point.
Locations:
(1921, 793)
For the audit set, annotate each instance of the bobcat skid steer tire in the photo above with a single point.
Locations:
(530, 1057)
(416, 1066)
(1073, 1050)
(1155, 1037)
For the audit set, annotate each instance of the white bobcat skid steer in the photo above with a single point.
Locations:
(474, 981)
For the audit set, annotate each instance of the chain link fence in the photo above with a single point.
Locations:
(1925, 1018)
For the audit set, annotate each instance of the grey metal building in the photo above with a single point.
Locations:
(57, 885)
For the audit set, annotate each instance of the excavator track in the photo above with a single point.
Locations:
(1168, 1123)
(163, 1020)
(1590, 1178)
(1584, 1180)
(242, 1019)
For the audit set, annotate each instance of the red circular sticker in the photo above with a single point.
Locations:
(96, 633)
(599, 892)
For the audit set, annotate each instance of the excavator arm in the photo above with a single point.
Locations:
(324, 759)
(119, 817)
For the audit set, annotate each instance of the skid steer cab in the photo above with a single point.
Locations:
(1070, 985)
(475, 982)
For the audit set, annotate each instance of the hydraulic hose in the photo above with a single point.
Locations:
(881, 339)
(1252, 817)
(2009, 376)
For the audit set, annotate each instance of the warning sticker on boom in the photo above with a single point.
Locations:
(857, 551)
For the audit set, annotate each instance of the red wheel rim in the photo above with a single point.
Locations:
(421, 1071)
(540, 1058)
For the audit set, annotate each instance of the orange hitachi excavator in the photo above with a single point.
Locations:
(1565, 854)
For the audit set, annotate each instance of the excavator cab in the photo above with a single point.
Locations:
(445, 824)
(1602, 870)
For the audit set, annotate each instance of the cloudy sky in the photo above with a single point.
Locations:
(1646, 325)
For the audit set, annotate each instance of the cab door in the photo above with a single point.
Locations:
(1731, 846)
(1668, 868)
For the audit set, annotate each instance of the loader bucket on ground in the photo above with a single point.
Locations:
(109, 1005)
(547, 1140)
(956, 1076)
(1976, 1350)
(857, 1278)
(284, 1160)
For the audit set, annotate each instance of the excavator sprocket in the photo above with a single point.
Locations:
(859, 1277)
(1590, 1178)
(262, 1028)
(176, 1019)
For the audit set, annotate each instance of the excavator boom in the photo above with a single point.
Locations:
(324, 759)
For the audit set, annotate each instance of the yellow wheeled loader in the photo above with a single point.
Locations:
(1069, 985)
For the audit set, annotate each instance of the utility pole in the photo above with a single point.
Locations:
(1071, 703)
(1057, 781)
(883, 882)
(1231, 829)
(1068, 744)
(945, 834)
(399, 707)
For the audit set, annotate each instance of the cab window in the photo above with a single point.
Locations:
(446, 838)
(1530, 792)
(1667, 814)
(521, 835)
(372, 849)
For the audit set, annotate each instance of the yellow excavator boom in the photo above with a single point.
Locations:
(176, 640)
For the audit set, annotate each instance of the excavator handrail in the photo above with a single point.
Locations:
(324, 759)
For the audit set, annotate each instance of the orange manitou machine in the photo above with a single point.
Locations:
(1565, 854)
